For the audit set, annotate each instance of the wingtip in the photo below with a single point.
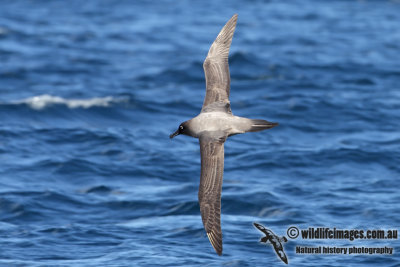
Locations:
(258, 226)
(215, 242)
(233, 19)
(219, 252)
(229, 27)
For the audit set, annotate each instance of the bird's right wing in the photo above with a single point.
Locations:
(212, 168)
(216, 67)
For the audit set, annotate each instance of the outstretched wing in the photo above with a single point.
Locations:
(212, 168)
(279, 251)
(216, 67)
(262, 228)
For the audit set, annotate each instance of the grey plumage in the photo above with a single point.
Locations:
(212, 126)
(216, 67)
(212, 168)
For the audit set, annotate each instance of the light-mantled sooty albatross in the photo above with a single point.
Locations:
(212, 126)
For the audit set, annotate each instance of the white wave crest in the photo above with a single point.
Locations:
(43, 101)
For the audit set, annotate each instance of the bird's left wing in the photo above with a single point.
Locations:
(212, 168)
(279, 251)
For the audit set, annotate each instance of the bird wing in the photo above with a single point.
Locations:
(275, 241)
(261, 228)
(212, 168)
(216, 67)
(279, 251)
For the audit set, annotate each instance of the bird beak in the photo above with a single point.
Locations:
(174, 134)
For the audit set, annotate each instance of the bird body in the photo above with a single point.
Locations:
(212, 127)
(227, 124)
(275, 241)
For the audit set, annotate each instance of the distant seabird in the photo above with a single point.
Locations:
(212, 126)
(274, 240)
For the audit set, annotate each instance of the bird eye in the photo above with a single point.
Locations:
(181, 127)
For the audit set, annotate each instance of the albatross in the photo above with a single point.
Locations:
(212, 127)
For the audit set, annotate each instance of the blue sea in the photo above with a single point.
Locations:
(91, 90)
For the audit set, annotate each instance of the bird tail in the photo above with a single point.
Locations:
(259, 125)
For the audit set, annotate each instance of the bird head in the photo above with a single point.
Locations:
(182, 129)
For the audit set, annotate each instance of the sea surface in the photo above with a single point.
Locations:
(91, 90)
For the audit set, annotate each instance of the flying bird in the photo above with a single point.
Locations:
(212, 127)
(274, 240)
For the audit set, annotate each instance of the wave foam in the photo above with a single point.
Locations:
(43, 101)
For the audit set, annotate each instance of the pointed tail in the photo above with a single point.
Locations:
(259, 125)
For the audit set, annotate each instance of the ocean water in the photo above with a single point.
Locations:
(91, 90)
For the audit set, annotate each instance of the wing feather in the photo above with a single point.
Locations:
(216, 67)
(212, 168)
